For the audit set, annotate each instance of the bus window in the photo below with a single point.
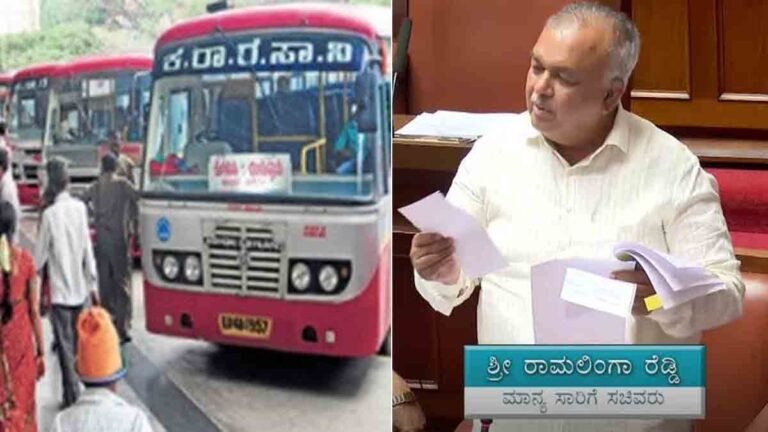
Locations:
(27, 114)
(72, 119)
(122, 114)
(366, 86)
(141, 97)
(98, 96)
(179, 120)
(234, 125)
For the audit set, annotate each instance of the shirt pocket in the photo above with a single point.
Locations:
(597, 239)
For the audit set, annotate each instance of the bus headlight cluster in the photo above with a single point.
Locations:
(179, 267)
(322, 277)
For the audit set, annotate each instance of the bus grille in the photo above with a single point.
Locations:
(244, 258)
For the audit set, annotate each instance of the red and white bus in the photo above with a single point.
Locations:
(95, 102)
(265, 216)
(28, 113)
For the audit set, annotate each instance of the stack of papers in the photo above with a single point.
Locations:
(675, 280)
(476, 253)
(454, 124)
(575, 302)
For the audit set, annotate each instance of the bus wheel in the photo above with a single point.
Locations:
(386, 346)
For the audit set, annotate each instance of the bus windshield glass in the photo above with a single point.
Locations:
(91, 110)
(28, 108)
(288, 115)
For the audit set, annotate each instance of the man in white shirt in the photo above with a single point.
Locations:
(8, 189)
(101, 366)
(64, 244)
(570, 178)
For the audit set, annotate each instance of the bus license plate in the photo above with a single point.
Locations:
(245, 326)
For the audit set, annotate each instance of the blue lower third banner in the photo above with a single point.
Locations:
(584, 381)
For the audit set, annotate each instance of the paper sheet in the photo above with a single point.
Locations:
(560, 322)
(598, 293)
(476, 253)
(454, 124)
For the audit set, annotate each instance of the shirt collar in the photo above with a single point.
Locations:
(617, 137)
(99, 394)
(63, 195)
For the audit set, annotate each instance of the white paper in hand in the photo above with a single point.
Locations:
(598, 293)
(557, 321)
(475, 251)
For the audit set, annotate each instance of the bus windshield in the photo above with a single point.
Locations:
(301, 120)
(92, 110)
(28, 108)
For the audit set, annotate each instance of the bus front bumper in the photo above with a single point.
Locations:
(354, 328)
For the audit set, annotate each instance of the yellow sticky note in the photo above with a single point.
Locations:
(653, 302)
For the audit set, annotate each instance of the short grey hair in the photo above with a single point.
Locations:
(625, 47)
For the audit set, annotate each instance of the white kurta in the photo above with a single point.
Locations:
(641, 185)
(64, 243)
(98, 410)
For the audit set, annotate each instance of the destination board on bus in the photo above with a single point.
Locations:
(262, 52)
(255, 173)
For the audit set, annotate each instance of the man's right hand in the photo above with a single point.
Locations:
(432, 256)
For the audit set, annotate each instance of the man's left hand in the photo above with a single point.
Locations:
(644, 287)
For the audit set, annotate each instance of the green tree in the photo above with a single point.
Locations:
(57, 12)
(61, 42)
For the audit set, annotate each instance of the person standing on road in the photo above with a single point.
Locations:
(64, 246)
(21, 332)
(113, 198)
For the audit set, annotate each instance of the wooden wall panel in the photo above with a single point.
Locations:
(427, 347)
(473, 56)
(400, 102)
(728, 50)
(743, 49)
(415, 347)
(663, 70)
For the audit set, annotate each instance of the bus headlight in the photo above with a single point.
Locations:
(192, 268)
(318, 277)
(170, 267)
(301, 276)
(329, 278)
